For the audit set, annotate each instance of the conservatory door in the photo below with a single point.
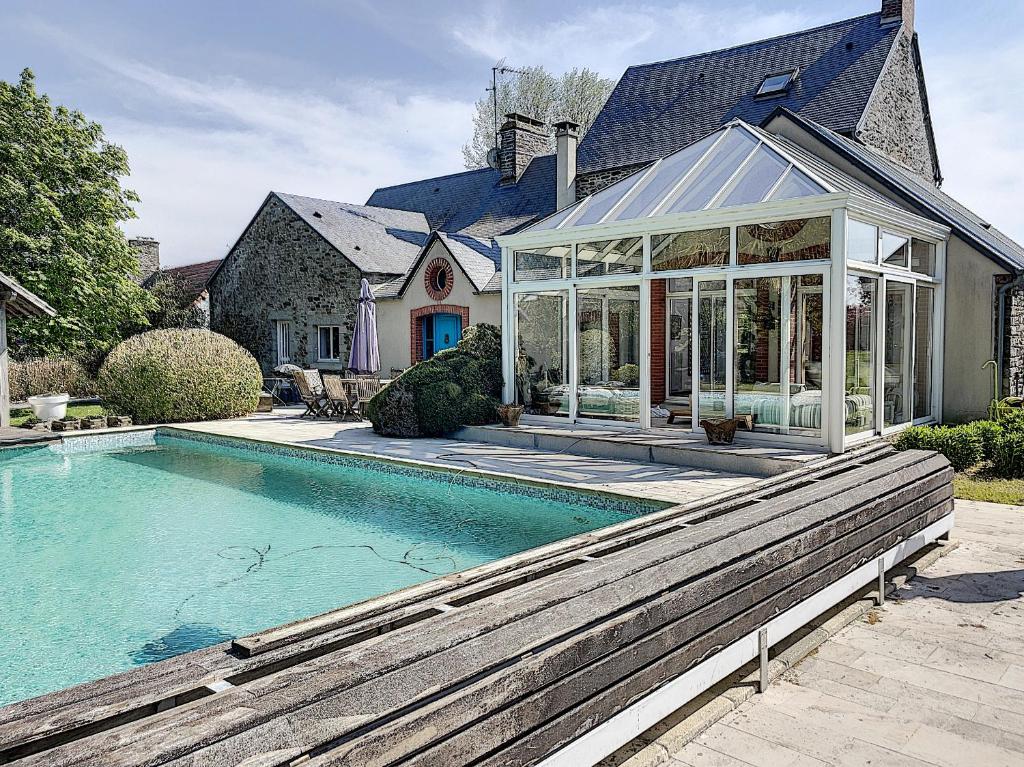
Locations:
(711, 351)
(608, 353)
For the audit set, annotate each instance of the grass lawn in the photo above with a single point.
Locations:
(20, 415)
(976, 486)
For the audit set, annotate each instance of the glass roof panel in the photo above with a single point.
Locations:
(797, 184)
(725, 158)
(664, 177)
(605, 200)
(552, 221)
(757, 179)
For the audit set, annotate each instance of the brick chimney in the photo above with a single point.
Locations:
(148, 251)
(899, 11)
(567, 138)
(522, 139)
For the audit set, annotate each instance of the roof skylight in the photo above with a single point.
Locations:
(773, 85)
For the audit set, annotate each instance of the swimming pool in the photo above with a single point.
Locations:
(117, 551)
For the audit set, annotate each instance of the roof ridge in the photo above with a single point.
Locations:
(754, 42)
(449, 176)
(348, 204)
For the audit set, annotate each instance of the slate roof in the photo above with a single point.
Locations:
(194, 277)
(659, 108)
(375, 239)
(475, 203)
(925, 198)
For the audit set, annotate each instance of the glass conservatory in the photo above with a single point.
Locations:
(739, 276)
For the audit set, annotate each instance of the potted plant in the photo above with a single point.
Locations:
(50, 406)
(509, 413)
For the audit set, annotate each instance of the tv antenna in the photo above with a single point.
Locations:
(499, 69)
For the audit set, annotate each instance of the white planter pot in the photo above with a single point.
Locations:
(49, 408)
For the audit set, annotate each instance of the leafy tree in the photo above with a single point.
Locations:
(61, 200)
(175, 305)
(576, 95)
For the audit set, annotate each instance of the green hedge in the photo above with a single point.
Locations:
(1000, 444)
(49, 375)
(960, 444)
(453, 388)
(167, 376)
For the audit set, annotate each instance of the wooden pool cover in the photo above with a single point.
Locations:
(506, 663)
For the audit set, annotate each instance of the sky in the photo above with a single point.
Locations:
(219, 102)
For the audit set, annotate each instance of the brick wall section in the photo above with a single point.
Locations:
(587, 184)
(658, 332)
(283, 270)
(416, 327)
(894, 121)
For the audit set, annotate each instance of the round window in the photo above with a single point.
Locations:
(438, 278)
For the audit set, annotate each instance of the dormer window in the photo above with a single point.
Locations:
(777, 84)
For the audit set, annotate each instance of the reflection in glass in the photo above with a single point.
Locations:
(680, 353)
(624, 256)
(807, 354)
(899, 301)
(713, 353)
(689, 250)
(922, 257)
(542, 352)
(861, 241)
(859, 399)
(895, 249)
(923, 314)
(542, 264)
(757, 375)
(608, 340)
(798, 240)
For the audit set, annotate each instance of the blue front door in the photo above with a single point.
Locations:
(447, 331)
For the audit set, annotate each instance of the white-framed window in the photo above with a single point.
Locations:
(284, 341)
(329, 342)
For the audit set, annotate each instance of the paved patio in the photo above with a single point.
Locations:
(934, 678)
(677, 484)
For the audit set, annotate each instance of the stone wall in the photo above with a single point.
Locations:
(1013, 342)
(148, 251)
(283, 270)
(894, 121)
(589, 183)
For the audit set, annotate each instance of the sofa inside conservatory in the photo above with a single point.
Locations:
(741, 276)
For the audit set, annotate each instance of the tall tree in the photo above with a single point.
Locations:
(61, 201)
(576, 95)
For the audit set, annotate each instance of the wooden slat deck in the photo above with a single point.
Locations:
(505, 663)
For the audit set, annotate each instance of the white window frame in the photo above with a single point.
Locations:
(333, 343)
(283, 337)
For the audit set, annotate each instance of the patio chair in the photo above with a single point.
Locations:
(316, 403)
(339, 398)
(366, 388)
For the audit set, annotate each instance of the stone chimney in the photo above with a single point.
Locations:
(148, 250)
(522, 139)
(567, 138)
(899, 11)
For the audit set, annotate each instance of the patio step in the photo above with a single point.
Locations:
(664, 446)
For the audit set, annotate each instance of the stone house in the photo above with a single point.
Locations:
(852, 93)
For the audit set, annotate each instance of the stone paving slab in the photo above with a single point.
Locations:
(676, 484)
(935, 678)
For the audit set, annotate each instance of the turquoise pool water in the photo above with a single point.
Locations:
(113, 558)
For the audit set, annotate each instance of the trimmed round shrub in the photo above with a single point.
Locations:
(166, 376)
(1008, 455)
(960, 444)
(627, 375)
(453, 388)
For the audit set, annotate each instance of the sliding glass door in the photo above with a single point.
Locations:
(608, 353)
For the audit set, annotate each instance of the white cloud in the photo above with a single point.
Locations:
(609, 38)
(977, 121)
(209, 150)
